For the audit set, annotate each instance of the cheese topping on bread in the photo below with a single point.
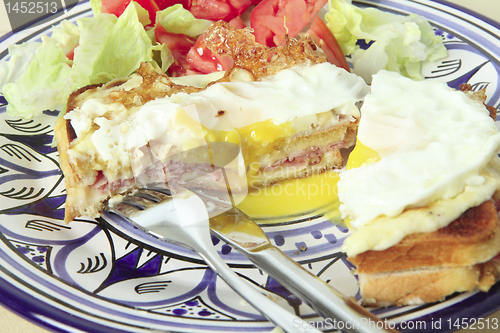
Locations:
(433, 156)
(289, 111)
(292, 100)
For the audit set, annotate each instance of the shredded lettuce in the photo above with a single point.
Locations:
(37, 73)
(39, 76)
(397, 43)
(40, 85)
(177, 20)
(95, 5)
(20, 58)
(66, 36)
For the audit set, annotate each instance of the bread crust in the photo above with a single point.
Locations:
(425, 268)
(70, 177)
(473, 238)
(425, 285)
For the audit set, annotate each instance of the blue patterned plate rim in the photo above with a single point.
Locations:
(463, 30)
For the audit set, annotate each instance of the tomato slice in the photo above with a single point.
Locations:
(71, 54)
(326, 40)
(205, 61)
(117, 7)
(162, 4)
(237, 23)
(216, 10)
(272, 20)
(179, 45)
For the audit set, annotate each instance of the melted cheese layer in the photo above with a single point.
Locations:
(384, 232)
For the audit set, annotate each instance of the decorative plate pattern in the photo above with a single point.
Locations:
(90, 275)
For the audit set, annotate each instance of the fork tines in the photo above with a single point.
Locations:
(141, 199)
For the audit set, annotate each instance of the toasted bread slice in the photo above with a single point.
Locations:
(428, 267)
(424, 285)
(472, 238)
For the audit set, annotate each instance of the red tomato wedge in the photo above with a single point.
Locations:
(218, 9)
(205, 61)
(117, 7)
(179, 45)
(210, 9)
(326, 40)
(71, 54)
(237, 23)
(162, 4)
(273, 19)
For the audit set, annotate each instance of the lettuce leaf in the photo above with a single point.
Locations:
(398, 43)
(37, 72)
(40, 77)
(111, 47)
(66, 36)
(20, 58)
(95, 5)
(177, 20)
(42, 85)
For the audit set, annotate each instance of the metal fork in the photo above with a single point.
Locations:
(231, 225)
(180, 217)
(227, 223)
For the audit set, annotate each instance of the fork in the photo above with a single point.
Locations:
(226, 221)
(205, 212)
(181, 217)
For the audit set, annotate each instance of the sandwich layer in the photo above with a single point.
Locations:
(420, 190)
(472, 238)
(425, 268)
(424, 285)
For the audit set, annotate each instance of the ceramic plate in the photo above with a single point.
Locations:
(90, 276)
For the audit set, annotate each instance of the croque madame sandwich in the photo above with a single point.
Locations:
(287, 108)
(420, 190)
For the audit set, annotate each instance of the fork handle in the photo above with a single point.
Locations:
(273, 312)
(327, 301)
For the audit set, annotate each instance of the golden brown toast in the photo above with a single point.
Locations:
(474, 237)
(424, 285)
(425, 268)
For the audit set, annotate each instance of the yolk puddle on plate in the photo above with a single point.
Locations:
(292, 197)
(296, 196)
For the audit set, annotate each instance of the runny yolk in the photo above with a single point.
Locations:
(293, 196)
(296, 196)
(360, 156)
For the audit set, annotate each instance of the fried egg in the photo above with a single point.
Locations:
(422, 149)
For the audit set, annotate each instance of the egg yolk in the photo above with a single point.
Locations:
(291, 197)
(295, 197)
(298, 196)
(361, 155)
